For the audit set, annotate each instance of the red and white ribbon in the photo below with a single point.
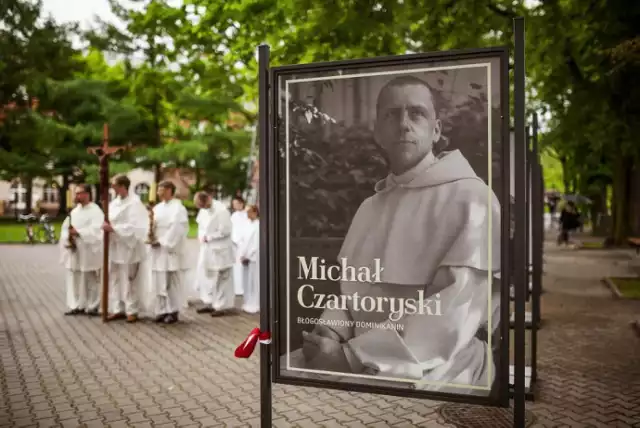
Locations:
(247, 347)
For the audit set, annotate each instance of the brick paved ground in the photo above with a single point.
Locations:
(70, 372)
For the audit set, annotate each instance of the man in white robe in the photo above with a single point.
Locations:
(128, 225)
(240, 228)
(201, 282)
(168, 256)
(82, 259)
(431, 223)
(249, 255)
(217, 293)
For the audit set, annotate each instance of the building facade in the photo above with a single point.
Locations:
(45, 194)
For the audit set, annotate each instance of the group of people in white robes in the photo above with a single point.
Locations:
(228, 258)
(148, 255)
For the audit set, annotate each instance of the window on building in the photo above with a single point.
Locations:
(142, 190)
(18, 196)
(50, 195)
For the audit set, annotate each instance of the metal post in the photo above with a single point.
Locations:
(265, 243)
(527, 195)
(519, 250)
(104, 197)
(538, 239)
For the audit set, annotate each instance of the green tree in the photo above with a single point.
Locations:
(33, 49)
(584, 56)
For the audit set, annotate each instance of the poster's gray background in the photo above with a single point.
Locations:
(334, 162)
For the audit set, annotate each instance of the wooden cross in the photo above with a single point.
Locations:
(104, 152)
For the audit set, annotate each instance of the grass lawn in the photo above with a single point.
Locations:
(592, 245)
(15, 232)
(629, 287)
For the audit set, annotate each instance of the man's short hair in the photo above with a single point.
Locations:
(83, 187)
(202, 197)
(122, 180)
(407, 80)
(168, 185)
(239, 199)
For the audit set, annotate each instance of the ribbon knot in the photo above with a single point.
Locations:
(247, 346)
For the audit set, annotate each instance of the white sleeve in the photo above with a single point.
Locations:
(431, 340)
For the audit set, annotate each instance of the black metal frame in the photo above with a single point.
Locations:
(269, 316)
(534, 248)
(267, 225)
(537, 204)
(519, 251)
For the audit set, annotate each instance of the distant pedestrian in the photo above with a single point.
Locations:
(569, 221)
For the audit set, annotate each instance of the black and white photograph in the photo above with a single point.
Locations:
(389, 246)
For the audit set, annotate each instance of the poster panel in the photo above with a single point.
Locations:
(391, 190)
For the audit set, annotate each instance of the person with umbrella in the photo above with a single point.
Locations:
(569, 221)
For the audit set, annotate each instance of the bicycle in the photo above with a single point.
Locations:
(44, 232)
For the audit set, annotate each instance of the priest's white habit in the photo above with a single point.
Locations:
(218, 260)
(168, 259)
(239, 230)
(201, 284)
(249, 254)
(435, 229)
(83, 264)
(129, 220)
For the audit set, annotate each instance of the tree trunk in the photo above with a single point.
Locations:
(198, 177)
(62, 196)
(157, 173)
(565, 174)
(620, 201)
(28, 196)
(633, 211)
(598, 209)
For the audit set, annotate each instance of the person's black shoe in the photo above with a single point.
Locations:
(170, 319)
(160, 318)
(93, 313)
(74, 312)
(204, 310)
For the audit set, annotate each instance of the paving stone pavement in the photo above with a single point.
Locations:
(59, 371)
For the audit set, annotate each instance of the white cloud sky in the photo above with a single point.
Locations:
(81, 11)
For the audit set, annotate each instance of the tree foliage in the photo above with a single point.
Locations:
(183, 86)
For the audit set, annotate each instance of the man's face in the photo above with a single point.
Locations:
(237, 205)
(406, 125)
(120, 190)
(202, 203)
(164, 193)
(82, 196)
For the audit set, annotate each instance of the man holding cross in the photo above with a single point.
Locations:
(127, 226)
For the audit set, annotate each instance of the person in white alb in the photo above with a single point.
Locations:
(217, 294)
(201, 283)
(127, 225)
(168, 256)
(430, 223)
(81, 240)
(249, 255)
(240, 227)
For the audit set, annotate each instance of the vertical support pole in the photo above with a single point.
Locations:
(104, 196)
(527, 180)
(519, 250)
(503, 362)
(265, 195)
(538, 239)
